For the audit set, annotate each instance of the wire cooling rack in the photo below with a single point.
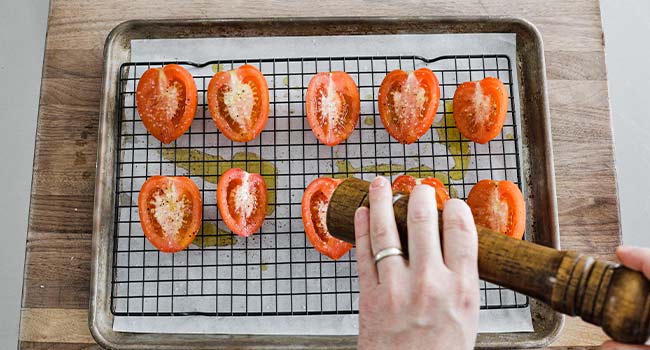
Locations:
(276, 271)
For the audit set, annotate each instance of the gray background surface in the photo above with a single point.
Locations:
(22, 39)
(22, 35)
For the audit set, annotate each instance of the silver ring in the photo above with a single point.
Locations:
(384, 253)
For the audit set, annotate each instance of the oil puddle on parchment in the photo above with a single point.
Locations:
(458, 146)
(218, 68)
(211, 235)
(210, 167)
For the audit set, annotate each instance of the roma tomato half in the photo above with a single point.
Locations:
(238, 101)
(170, 211)
(408, 103)
(242, 201)
(166, 100)
(480, 109)
(499, 206)
(333, 106)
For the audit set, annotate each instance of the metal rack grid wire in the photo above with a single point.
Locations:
(276, 271)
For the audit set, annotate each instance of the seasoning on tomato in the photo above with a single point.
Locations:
(499, 206)
(166, 100)
(314, 217)
(170, 212)
(238, 101)
(408, 103)
(242, 200)
(406, 184)
(480, 109)
(332, 106)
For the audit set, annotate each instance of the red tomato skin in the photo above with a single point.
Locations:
(406, 184)
(485, 198)
(327, 245)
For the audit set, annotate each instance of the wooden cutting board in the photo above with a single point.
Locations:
(57, 264)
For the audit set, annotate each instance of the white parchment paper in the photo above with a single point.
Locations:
(428, 46)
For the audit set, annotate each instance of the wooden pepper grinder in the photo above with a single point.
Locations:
(605, 294)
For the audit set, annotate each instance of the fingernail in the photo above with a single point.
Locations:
(624, 247)
(378, 182)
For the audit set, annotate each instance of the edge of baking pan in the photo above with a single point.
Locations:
(534, 104)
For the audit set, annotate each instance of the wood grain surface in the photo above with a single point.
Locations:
(57, 265)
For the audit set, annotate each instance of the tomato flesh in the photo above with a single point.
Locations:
(242, 201)
(238, 101)
(499, 206)
(480, 109)
(408, 103)
(314, 218)
(332, 106)
(170, 212)
(166, 99)
(406, 184)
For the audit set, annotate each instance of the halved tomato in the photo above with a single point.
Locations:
(166, 100)
(333, 106)
(242, 199)
(314, 218)
(499, 206)
(170, 212)
(406, 184)
(408, 103)
(238, 101)
(480, 109)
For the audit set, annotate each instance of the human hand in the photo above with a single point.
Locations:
(637, 259)
(430, 301)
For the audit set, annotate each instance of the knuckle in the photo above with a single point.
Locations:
(460, 220)
(421, 214)
(429, 291)
(467, 256)
(467, 293)
(381, 233)
(458, 223)
(423, 319)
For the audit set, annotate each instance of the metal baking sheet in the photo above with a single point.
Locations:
(282, 273)
(315, 44)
